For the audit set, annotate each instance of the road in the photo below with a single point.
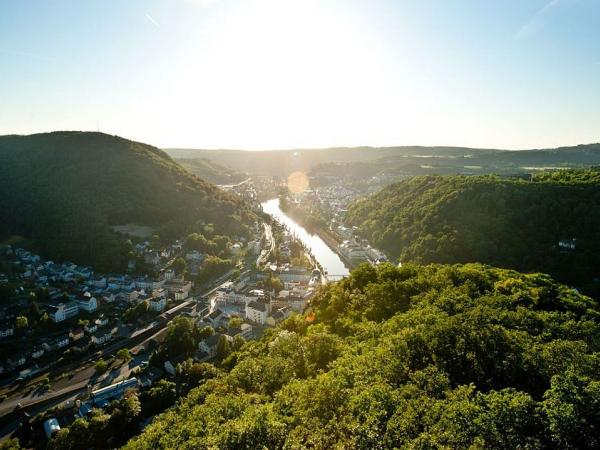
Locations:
(264, 255)
(226, 187)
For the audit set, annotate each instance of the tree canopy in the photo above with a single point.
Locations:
(505, 222)
(437, 356)
(66, 190)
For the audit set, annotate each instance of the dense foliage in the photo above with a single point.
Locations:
(504, 222)
(109, 428)
(65, 190)
(413, 357)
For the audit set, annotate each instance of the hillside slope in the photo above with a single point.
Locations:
(418, 357)
(503, 222)
(63, 191)
(211, 171)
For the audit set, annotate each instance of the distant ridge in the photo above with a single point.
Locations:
(369, 160)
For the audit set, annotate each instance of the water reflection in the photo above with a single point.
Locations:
(330, 261)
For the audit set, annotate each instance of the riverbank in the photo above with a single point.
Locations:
(334, 245)
(315, 226)
(322, 246)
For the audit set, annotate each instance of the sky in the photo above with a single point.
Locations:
(267, 74)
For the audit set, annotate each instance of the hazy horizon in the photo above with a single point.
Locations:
(266, 74)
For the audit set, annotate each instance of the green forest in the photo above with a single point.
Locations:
(437, 356)
(505, 222)
(61, 193)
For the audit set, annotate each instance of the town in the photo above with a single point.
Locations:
(74, 340)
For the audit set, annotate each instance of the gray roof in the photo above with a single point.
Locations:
(258, 306)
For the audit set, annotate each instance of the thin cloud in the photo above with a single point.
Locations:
(152, 21)
(539, 20)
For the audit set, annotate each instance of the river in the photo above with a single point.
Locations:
(329, 260)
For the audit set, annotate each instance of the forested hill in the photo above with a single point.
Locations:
(211, 171)
(366, 162)
(63, 191)
(461, 357)
(504, 222)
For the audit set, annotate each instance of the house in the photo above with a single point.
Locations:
(168, 274)
(256, 312)
(278, 316)
(51, 427)
(236, 248)
(128, 296)
(63, 311)
(100, 282)
(101, 321)
(568, 244)
(61, 341)
(38, 352)
(101, 337)
(17, 361)
(148, 283)
(109, 296)
(245, 331)
(150, 376)
(76, 334)
(103, 396)
(158, 303)
(84, 272)
(194, 256)
(91, 327)
(180, 294)
(298, 300)
(159, 292)
(189, 311)
(178, 285)
(152, 257)
(6, 330)
(209, 345)
(86, 302)
(215, 318)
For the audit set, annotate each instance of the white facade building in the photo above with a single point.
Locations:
(257, 312)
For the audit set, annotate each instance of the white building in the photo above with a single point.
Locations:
(180, 294)
(6, 330)
(101, 337)
(63, 311)
(87, 302)
(157, 303)
(148, 283)
(257, 312)
(173, 286)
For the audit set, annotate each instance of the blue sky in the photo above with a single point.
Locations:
(261, 74)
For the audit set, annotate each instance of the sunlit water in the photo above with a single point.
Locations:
(330, 261)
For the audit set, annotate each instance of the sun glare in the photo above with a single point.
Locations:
(270, 73)
(297, 182)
